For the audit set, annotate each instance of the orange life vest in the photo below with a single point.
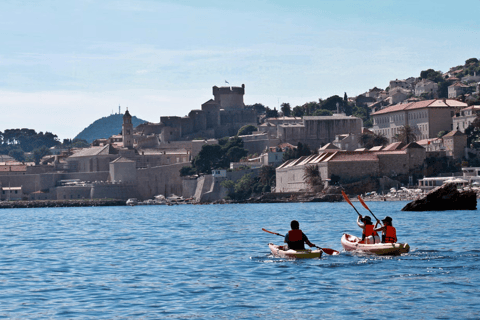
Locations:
(390, 234)
(368, 231)
(295, 235)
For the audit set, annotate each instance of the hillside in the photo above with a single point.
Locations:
(106, 127)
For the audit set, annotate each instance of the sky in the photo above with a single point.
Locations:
(65, 64)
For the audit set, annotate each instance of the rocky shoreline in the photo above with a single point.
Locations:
(61, 203)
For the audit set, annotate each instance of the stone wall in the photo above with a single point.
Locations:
(163, 180)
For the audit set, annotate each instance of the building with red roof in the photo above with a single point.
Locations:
(427, 118)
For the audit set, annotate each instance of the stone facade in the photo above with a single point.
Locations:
(426, 86)
(223, 116)
(317, 131)
(455, 143)
(427, 118)
(465, 117)
(457, 89)
(349, 165)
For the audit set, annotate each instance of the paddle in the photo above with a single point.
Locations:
(348, 200)
(326, 250)
(365, 205)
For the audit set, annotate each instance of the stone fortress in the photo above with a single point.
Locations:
(223, 116)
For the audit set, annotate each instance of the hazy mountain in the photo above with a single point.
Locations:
(106, 127)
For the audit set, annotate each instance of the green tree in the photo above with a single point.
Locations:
(471, 60)
(39, 153)
(298, 111)
(187, 171)
(267, 175)
(322, 112)
(430, 74)
(311, 176)
(271, 113)
(286, 109)
(406, 134)
(208, 158)
(243, 188)
(368, 140)
(246, 130)
(17, 154)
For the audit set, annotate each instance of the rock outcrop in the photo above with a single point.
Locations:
(446, 197)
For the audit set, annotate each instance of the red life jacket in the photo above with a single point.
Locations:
(390, 234)
(295, 235)
(368, 231)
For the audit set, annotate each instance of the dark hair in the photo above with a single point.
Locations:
(294, 224)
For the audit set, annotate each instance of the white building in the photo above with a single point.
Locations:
(427, 118)
(465, 117)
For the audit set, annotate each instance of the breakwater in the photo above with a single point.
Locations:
(61, 203)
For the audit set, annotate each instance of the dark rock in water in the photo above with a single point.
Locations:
(446, 197)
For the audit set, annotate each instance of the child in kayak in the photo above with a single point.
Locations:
(389, 233)
(369, 235)
(295, 238)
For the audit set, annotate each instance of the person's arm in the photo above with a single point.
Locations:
(360, 223)
(286, 238)
(305, 238)
(382, 228)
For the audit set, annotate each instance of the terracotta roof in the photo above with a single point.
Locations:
(13, 168)
(121, 159)
(412, 145)
(352, 156)
(394, 146)
(422, 104)
(471, 108)
(454, 133)
(92, 151)
(329, 146)
(376, 148)
(425, 141)
(458, 84)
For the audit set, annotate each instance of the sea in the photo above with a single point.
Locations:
(213, 262)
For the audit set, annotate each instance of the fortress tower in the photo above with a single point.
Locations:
(127, 130)
(229, 98)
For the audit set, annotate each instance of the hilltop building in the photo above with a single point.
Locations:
(465, 117)
(427, 118)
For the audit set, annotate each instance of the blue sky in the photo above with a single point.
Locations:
(64, 64)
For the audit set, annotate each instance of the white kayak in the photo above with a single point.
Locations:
(352, 243)
(280, 251)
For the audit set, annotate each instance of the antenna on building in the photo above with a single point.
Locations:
(119, 109)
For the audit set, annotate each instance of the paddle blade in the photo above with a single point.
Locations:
(346, 198)
(330, 251)
(278, 234)
(363, 203)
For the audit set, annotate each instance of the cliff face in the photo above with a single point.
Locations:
(445, 197)
(106, 127)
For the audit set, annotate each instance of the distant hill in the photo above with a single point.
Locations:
(106, 127)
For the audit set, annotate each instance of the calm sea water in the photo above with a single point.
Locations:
(212, 261)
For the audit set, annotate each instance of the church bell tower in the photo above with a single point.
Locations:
(127, 130)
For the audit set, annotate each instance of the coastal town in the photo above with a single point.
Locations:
(411, 141)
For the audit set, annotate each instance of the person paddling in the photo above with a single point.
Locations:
(369, 235)
(389, 233)
(295, 238)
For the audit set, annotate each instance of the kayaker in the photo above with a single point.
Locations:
(389, 233)
(369, 235)
(295, 238)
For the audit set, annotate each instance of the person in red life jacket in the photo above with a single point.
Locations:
(369, 235)
(295, 238)
(389, 233)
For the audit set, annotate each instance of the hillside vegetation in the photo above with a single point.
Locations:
(106, 127)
